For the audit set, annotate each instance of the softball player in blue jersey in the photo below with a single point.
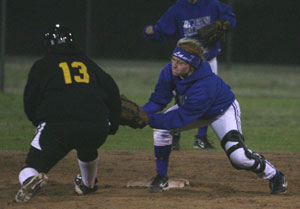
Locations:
(204, 99)
(184, 19)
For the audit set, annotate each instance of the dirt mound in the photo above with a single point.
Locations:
(213, 182)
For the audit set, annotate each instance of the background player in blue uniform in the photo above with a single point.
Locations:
(205, 99)
(75, 105)
(184, 19)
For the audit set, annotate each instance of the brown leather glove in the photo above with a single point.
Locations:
(210, 34)
(132, 115)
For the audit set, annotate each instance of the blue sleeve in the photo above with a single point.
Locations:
(152, 107)
(200, 100)
(162, 94)
(224, 11)
(165, 28)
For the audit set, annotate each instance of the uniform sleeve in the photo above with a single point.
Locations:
(195, 107)
(112, 100)
(165, 28)
(152, 107)
(32, 94)
(224, 11)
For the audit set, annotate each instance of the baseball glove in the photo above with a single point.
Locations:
(132, 115)
(212, 33)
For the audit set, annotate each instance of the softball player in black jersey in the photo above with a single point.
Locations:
(75, 105)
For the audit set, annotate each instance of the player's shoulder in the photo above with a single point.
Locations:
(40, 62)
(175, 8)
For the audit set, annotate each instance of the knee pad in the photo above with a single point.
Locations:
(162, 137)
(238, 140)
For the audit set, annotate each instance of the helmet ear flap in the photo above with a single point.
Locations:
(59, 34)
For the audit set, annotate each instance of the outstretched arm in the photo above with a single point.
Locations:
(164, 29)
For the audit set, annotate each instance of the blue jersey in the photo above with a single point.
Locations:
(203, 94)
(184, 19)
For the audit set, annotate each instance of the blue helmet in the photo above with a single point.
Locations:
(59, 34)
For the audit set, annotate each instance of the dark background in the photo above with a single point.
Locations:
(266, 32)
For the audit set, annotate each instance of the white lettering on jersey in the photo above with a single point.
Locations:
(191, 26)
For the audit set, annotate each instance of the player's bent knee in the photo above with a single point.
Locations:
(239, 155)
(162, 137)
(87, 155)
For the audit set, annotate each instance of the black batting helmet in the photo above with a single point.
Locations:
(59, 34)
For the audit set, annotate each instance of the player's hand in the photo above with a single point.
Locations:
(149, 30)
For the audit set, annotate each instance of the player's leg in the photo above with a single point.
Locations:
(90, 138)
(176, 141)
(42, 156)
(201, 141)
(228, 130)
(85, 182)
(214, 65)
(162, 150)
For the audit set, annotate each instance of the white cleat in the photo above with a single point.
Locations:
(30, 187)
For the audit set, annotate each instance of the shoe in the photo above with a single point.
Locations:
(175, 142)
(278, 184)
(159, 184)
(30, 187)
(81, 189)
(201, 142)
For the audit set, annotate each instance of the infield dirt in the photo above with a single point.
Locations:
(213, 183)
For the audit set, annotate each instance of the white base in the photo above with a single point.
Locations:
(173, 183)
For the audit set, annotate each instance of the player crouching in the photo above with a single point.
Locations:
(205, 99)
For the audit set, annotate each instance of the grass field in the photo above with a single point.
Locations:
(269, 97)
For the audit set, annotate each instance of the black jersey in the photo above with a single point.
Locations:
(66, 86)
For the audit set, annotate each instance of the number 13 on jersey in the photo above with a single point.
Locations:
(84, 77)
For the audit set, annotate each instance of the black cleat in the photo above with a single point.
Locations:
(81, 189)
(159, 184)
(278, 184)
(201, 142)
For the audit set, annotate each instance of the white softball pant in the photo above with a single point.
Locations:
(214, 65)
(230, 120)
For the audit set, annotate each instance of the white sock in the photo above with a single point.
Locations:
(26, 173)
(88, 172)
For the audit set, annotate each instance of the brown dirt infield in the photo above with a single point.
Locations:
(214, 183)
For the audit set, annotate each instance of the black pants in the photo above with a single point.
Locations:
(54, 141)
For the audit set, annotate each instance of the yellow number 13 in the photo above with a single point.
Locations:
(83, 78)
